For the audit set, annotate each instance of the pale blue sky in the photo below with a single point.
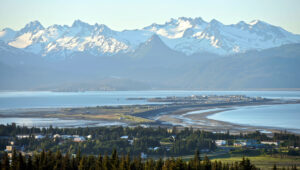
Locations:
(131, 14)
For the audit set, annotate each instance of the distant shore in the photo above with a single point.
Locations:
(152, 115)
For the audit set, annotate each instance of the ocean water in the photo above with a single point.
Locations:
(286, 116)
(46, 99)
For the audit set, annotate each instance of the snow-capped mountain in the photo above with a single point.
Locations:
(190, 36)
(186, 35)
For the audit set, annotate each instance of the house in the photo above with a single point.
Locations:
(9, 148)
(130, 142)
(246, 143)
(39, 136)
(89, 136)
(221, 142)
(239, 143)
(22, 136)
(124, 137)
(270, 143)
(79, 139)
(56, 136)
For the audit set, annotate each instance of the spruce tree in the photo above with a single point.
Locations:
(29, 163)
(21, 164)
(206, 163)
(99, 163)
(114, 159)
(58, 160)
(14, 160)
(5, 162)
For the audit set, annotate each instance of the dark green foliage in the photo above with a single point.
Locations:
(105, 139)
(5, 162)
(48, 160)
(106, 142)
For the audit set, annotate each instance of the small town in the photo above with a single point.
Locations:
(163, 141)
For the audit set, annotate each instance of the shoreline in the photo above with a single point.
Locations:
(208, 124)
(161, 115)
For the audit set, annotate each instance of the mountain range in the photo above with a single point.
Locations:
(183, 53)
(185, 35)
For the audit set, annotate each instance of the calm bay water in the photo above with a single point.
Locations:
(15, 100)
(283, 116)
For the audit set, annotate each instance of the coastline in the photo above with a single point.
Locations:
(201, 121)
(157, 115)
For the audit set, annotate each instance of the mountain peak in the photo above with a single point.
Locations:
(241, 23)
(154, 47)
(79, 23)
(185, 18)
(192, 20)
(8, 30)
(215, 22)
(153, 42)
(32, 26)
(7, 34)
(257, 22)
(154, 37)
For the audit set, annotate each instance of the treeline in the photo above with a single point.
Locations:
(107, 133)
(57, 161)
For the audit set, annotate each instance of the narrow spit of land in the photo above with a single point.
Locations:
(173, 111)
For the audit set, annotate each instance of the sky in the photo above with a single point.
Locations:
(135, 14)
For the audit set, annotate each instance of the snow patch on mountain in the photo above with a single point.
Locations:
(187, 35)
(7, 34)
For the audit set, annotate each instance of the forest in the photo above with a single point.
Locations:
(49, 160)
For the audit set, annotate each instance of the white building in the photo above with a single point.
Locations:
(79, 139)
(39, 136)
(221, 142)
(22, 136)
(56, 136)
(124, 137)
(130, 142)
(269, 143)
